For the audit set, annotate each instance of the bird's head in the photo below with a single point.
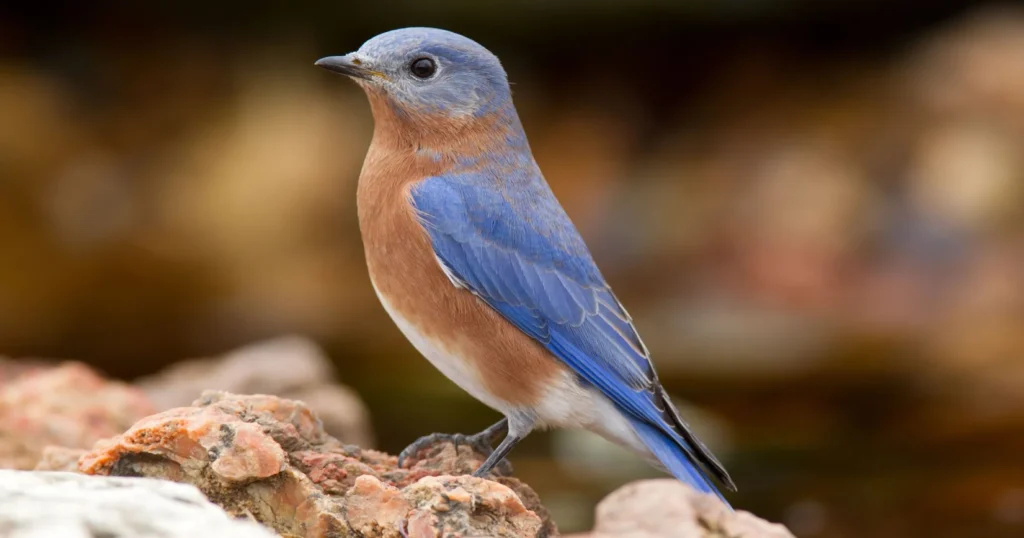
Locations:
(418, 73)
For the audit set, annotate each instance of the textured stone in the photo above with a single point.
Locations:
(68, 405)
(291, 367)
(48, 505)
(666, 508)
(269, 458)
(438, 506)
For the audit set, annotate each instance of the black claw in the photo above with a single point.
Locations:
(481, 443)
(423, 443)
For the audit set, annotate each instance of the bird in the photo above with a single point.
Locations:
(481, 269)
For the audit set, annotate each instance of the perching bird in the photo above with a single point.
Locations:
(481, 269)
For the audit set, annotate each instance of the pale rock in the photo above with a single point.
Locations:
(667, 508)
(67, 505)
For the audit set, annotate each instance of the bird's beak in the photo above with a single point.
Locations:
(349, 66)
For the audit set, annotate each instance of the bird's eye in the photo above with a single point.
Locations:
(422, 67)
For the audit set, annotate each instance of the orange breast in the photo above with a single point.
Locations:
(511, 366)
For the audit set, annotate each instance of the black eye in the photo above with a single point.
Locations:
(422, 67)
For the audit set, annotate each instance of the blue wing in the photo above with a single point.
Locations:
(511, 243)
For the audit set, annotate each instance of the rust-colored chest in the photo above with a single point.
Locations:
(501, 359)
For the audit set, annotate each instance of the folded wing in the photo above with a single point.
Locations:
(512, 245)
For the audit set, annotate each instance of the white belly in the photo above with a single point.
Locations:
(568, 404)
(455, 367)
(565, 404)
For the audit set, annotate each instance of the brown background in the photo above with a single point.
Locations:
(813, 210)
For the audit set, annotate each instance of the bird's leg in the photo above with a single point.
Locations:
(491, 433)
(482, 442)
(506, 446)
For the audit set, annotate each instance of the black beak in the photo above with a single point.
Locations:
(345, 65)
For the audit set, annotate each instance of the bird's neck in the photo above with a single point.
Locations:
(453, 142)
(406, 150)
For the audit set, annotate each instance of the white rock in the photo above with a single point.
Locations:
(667, 508)
(59, 505)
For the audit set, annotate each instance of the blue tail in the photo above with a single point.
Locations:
(676, 459)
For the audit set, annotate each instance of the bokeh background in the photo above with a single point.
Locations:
(814, 211)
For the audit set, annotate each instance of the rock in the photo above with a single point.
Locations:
(292, 367)
(667, 508)
(269, 458)
(68, 405)
(59, 458)
(438, 506)
(11, 369)
(44, 505)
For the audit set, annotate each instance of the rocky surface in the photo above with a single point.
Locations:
(66, 505)
(11, 369)
(292, 367)
(666, 508)
(68, 405)
(269, 458)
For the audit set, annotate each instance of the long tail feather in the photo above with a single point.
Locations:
(675, 459)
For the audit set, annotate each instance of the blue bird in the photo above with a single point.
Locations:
(481, 269)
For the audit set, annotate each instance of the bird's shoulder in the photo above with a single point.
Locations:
(513, 210)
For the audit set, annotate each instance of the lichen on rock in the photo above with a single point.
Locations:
(268, 458)
(291, 367)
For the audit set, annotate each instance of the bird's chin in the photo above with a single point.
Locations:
(369, 85)
(375, 91)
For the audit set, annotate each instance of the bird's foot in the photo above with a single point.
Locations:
(480, 443)
(434, 439)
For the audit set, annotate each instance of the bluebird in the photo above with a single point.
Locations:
(480, 267)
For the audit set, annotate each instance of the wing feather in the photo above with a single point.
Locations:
(521, 254)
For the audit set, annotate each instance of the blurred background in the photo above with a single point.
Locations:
(814, 211)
